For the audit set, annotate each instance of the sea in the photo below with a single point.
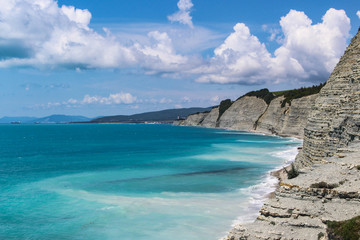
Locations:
(133, 181)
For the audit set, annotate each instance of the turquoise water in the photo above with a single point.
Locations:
(132, 181)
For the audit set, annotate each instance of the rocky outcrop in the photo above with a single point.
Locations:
(243, 114)
(210, 119)
(255, 115)
(299, 210)
(335, 119)
(289, 120)
(193, 119)
(331, 154)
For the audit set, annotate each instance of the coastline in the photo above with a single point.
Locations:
(273, 178)
(296, 210)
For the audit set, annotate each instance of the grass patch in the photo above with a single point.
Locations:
(324, 185)
(346, 230)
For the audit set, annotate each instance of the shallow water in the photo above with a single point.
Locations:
(132, 181)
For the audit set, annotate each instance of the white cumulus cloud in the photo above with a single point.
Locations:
(117, 98)
(308, 51)
(183, 15)
(358, 14)
(42, 34)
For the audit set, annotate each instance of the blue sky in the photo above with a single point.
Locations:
(92, 58)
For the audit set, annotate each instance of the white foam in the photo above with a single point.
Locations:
(259, 193)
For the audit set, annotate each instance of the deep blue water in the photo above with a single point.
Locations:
(132, 181)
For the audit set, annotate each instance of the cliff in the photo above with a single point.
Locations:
(251, 113)
(335, 119)
(327, 188)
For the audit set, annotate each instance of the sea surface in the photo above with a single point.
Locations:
(128, 182)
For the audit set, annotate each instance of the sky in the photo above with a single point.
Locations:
(110, 57)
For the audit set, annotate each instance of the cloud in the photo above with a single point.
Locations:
(65, 40)
(358, 14)
(114, 98)
(117, 98)
(308, 52)
(183, 15)
(215, 99)
(160, 55)
(238, 59)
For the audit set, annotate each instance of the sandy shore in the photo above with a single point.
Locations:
(297, 210)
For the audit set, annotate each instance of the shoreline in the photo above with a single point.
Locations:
(296, 210)
(278, 173)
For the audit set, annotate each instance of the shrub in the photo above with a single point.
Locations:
(349, 230)
(320, 235)
(298, 93)
(323, 184)
(358, 167)
(293, 172)
(224, 105)
(264, 94)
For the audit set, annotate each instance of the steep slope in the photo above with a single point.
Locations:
(335, 119)
(210, 119)
(193, 119)
(243, 114)
(250, 113)
(327, 188)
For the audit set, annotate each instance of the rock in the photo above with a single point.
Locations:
(253, 114)
(335, 119)
(243, 114)
(333, 126)
(211, 119)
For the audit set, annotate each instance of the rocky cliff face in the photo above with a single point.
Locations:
(243, 114)
(301, 208)
(210, 119)
(335, 119)
(193, 119)
(255, 115)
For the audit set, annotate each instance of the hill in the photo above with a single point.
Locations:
(168, 115)
(60, 119)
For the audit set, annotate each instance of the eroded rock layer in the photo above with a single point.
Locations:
(335, 119)
(255, 115)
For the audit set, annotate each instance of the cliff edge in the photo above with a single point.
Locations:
(254, 114)
(328, 187)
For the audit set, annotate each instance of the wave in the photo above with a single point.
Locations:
(259, 193)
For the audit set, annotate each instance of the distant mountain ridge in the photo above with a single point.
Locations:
(168, 115)
(57, 118)
(156, 116)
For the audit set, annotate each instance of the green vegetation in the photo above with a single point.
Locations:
(262, 93)
(358, 167)
(293, 172)
(346, 230)
(324, 185)
(298, 93)
(224, 105)
(289, 95)
(320, 235)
